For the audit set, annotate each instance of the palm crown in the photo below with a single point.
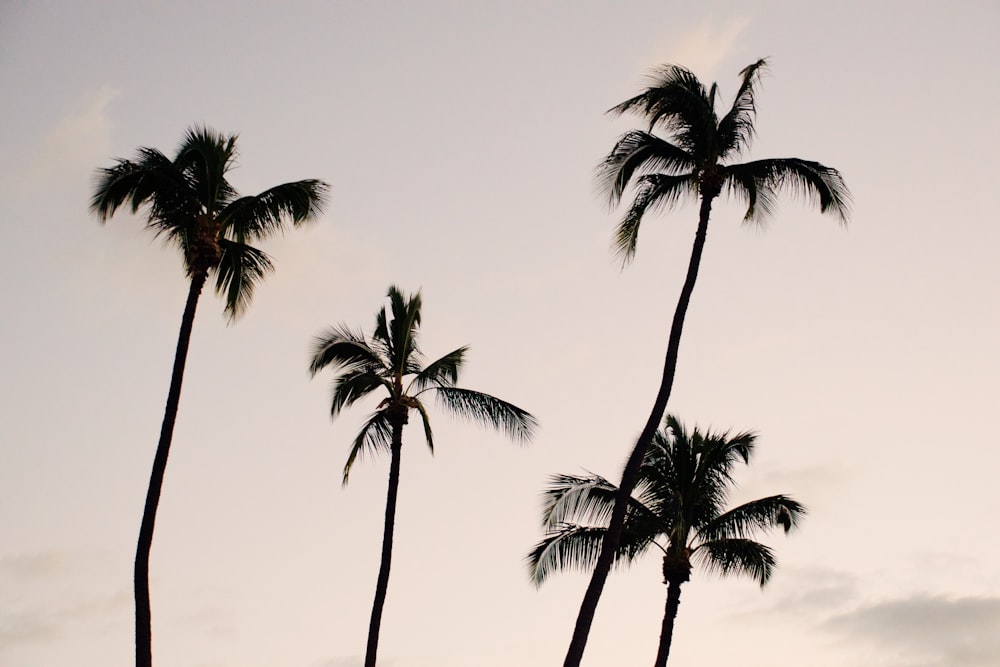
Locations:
(696, 160)
(678, 506)
(192, 204)
(391, 363)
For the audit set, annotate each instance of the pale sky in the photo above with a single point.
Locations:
(460, 141)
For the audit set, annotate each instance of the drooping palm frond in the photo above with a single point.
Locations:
(240, 270)
(639, 152)
(353, 385)
(653, 191)
(735, 556)
(476, 406)
(441, 372)
(577, 499)
(571, 546)
(375, 435)
(425, 420)
(758, 181)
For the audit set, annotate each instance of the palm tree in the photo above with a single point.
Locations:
(677, 506)
(695, 161)
(390, 364)
(189, 201)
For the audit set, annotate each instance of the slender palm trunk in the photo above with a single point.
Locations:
(143, 627)
(390, 522)
(667, 631)
(631, 473)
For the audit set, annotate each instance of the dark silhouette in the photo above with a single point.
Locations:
(380, 365)
(693, 162)
(678, 506)
(189, 201)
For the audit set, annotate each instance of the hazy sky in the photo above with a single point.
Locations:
(460, 140)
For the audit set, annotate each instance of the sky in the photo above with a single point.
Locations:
(460, 141)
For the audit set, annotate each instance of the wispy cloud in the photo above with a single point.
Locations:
(76, 142)
(701, 48)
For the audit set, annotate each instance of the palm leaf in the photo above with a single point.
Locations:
(240, 270)
(653, 191)
(735, 556)
(353, 385)
(342, 348)
(639, 152)
(426, 421)
(756, 515)
(403, 329)
(476, 406)
(678, 102)
(374, 436)
(262, 215)
(442, 372)
(206, 156)
(815, 183)
(736, 128)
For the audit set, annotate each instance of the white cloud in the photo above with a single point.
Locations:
(78, 141)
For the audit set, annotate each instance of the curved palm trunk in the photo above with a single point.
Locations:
(667, 631)
(390, 522)
(143, 629)
(631, 473)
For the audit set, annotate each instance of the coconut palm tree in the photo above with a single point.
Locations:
(391, 365)
(677, 506)
(189, 201)
(694, 161)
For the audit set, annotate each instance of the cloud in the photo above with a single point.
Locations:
(928, 630)
(700, 49)
(75, 143)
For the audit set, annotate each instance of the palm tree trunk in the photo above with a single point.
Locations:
(631, 473)
(669, 614)
(143, 624)
(390, 522)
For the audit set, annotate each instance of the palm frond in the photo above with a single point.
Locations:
(736, 128)
(735, 556)
(577, 547)
(345, 349)
(757, 515)
(352, 385)
(404, 328)
(678, 102)
(426, 421)
(654, 191)
(570, 499)
(240, 270)
(815, 183)
(206, 156)
(442, 372)
(639, 152)
(374, 436)
(476, 406)
(262, 215)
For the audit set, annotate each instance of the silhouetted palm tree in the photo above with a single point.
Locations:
(188, 201)
(678, 506)
(695, 161)
(391, 365)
